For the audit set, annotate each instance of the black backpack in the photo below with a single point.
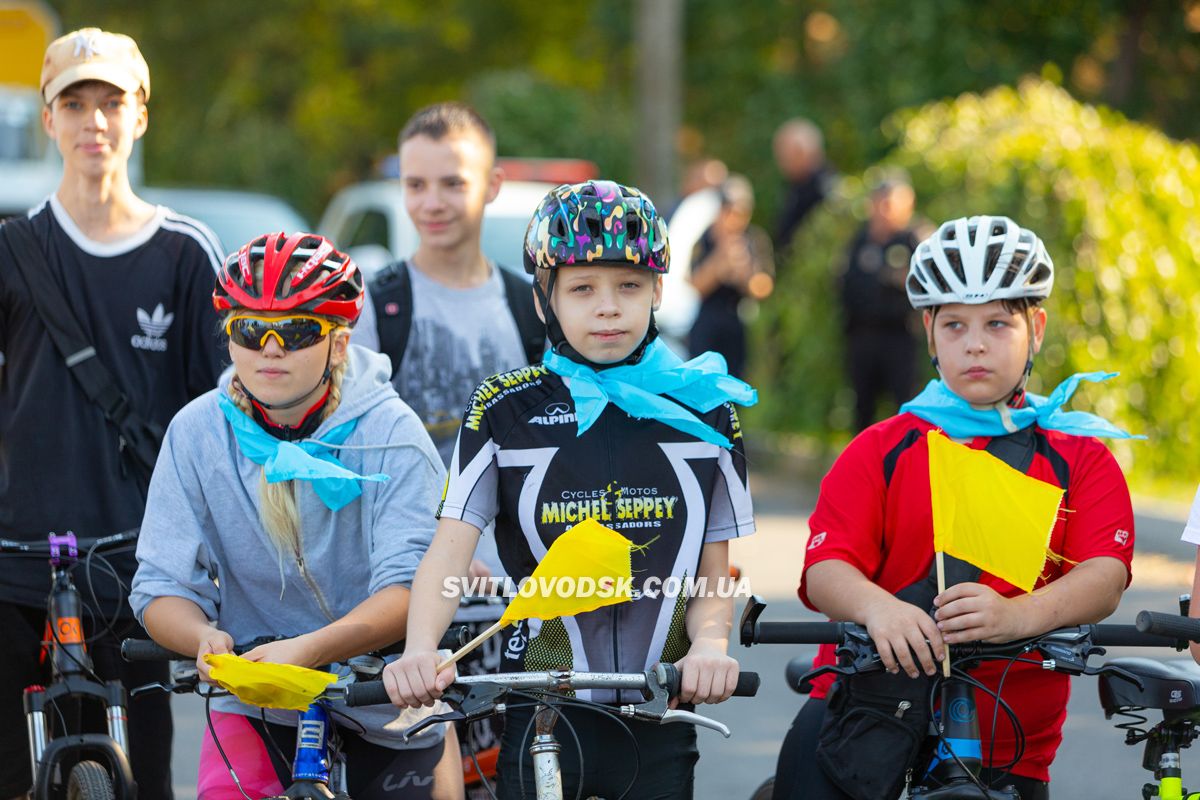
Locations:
(391, 294)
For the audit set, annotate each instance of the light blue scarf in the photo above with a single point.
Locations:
(942, 407)
(637, 389)
(304, 461)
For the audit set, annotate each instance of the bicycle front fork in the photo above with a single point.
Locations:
(36, 698)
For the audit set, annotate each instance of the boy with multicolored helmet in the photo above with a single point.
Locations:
(611, 414)
(980, 282)
(293, 501)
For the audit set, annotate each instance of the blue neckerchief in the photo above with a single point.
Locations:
(702, 383)
(303, 461)
(937, 404)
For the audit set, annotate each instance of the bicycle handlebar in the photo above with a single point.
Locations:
(12, 547)
(149, 650)
(1166, 630)
(1171, 625)
(373, 692)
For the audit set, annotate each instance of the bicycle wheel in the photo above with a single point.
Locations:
(765, 791)
(89, 781)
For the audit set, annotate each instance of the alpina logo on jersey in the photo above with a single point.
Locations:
(554, 414)
(154, 326)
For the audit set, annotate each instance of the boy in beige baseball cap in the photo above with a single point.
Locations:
(90, 54)
(139, 278)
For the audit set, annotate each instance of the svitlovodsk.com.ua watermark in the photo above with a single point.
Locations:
(604, 588)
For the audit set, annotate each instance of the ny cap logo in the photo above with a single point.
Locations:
(85, 45)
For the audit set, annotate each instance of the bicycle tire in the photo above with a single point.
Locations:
(764, 791)
(89, 781)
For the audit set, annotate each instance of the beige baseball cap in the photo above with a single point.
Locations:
(90, 54)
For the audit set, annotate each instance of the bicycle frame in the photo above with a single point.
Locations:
(72, 676)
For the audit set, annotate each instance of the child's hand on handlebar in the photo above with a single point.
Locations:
(972, 612)
(413, 679)
(215, 641)
(706, 675)
(900, 630)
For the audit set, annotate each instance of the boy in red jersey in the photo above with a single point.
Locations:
(980, 282)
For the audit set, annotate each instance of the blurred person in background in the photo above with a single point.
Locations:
(799, 151)
(732, 262)
(882, 331)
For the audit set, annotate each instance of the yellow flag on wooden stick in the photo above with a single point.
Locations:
(989, 514)
(586, 568)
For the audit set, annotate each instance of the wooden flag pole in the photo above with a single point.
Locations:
(941, 581)
(480, 639)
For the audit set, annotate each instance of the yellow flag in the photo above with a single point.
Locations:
(989, 514)
(585, 568)
(268, 685)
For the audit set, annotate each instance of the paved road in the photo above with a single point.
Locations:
(1093, 761)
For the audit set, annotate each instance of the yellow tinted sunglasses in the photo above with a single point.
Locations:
(293, 333)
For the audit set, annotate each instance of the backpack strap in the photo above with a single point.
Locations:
(140, 439)
(391, 294)
(532, 330)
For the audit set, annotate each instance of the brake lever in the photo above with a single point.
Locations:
(691, 717)
(1068, 658)
(470, 702)
(1118, 672)
(183, 687)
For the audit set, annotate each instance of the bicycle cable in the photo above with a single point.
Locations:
(212, 731)
(600, 708)
(487, 786)
(525, 737)
(274, 745)
(1018, 730)
(122, 589)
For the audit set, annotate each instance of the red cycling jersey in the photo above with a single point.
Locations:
(874, 512)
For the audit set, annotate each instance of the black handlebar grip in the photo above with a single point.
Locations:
(747, 684)
(147, 650)
(370, 693)
(799, 633)
(1172, 625)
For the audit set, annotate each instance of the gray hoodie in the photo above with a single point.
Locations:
(202, 539)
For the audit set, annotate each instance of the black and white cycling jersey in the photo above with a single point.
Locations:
(519, 461)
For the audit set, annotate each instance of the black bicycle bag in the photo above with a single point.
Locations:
(872, 733)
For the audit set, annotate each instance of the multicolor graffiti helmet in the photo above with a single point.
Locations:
(976, 260)
(596, 222)
(300, 272)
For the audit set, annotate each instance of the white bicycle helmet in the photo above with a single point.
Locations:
(976, 260)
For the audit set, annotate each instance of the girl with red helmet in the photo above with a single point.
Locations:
(265, 518)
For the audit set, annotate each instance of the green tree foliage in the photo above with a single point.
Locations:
(299, 97)
(1116, 204)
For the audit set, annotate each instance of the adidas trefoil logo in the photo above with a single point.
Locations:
(154, 326)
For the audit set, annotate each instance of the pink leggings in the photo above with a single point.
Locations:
(246, 752)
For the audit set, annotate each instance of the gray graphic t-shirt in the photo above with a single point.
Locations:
(458, 338)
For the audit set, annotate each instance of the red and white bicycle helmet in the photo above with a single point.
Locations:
(300, 272)
(976, 260)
